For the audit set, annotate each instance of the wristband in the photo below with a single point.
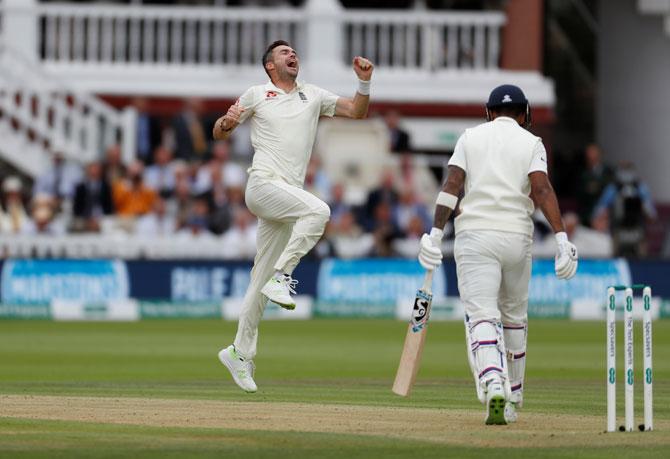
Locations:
(446, 200)
(364, 87)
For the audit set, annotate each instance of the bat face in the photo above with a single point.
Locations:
(421, 310)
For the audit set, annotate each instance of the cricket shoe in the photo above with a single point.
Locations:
(240, 368)
(510, 412)
(278, 290)
(495, 404)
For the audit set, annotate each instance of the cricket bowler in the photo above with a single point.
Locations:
(284, 114)
(501, 168)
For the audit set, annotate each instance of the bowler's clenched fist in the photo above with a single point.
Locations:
(363, 68)
(232, 116)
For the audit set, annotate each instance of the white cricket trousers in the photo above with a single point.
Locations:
(493, 269)
(290, 222)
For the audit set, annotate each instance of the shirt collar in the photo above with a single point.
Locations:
(505, 118)
(270, 86)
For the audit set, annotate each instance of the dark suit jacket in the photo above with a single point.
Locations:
(377, 196)
(400, 141)
(85, 200)
(153, 136)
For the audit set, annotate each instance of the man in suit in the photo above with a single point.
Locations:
(92, 199)
(400, 141)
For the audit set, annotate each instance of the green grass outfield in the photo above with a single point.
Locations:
(156, 389)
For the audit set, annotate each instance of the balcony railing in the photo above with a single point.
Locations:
(161, 36)
(216, 51)
(205, 36)
(430, 41)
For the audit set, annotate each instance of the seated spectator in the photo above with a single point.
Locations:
(239, 241)
(14, 217)
(384, 193)
(591, 243)
(593, 180)
(112, 166)
(337, 205)
(220, 166)
(44, 221)
(220, 213)
(348, 239)
(157, 222)
(195, 223)
(177, 207)
(160, 176)
(416, 175)
(384, 230)
(131, 196)
(628, 205)
(408, 247)
(182, 172)
(408, 208)
(59, 180)
(92, 200)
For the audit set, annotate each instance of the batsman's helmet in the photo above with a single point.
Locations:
(508, 95)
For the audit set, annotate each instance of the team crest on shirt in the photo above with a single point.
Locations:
(303, 97)
(270, 95)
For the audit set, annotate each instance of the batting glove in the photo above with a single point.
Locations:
(430, 253)
(566, 257)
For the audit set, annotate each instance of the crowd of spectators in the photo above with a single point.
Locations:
(184, 186)
(612, 206)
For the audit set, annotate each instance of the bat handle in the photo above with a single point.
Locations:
(427, 280)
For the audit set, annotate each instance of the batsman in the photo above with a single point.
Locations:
(501, 170)
(284, 114)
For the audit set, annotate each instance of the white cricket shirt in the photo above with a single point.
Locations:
(497, 157)
(283, 127)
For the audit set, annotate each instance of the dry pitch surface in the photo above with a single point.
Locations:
(446, 426)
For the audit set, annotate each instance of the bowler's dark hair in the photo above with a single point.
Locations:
(268, 52)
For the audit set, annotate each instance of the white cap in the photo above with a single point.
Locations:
(12, 184)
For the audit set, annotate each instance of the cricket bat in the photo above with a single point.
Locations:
(410, 360)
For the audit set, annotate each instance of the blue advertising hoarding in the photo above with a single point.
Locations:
(370, 287)
(42, 281)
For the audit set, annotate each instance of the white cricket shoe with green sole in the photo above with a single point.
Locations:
(241, 369)
(495, 404)
(279, 289)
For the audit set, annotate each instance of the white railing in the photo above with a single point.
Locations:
(425, 40)
(48, 115)
(205, 36)
(215, 51)
(150, 35)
